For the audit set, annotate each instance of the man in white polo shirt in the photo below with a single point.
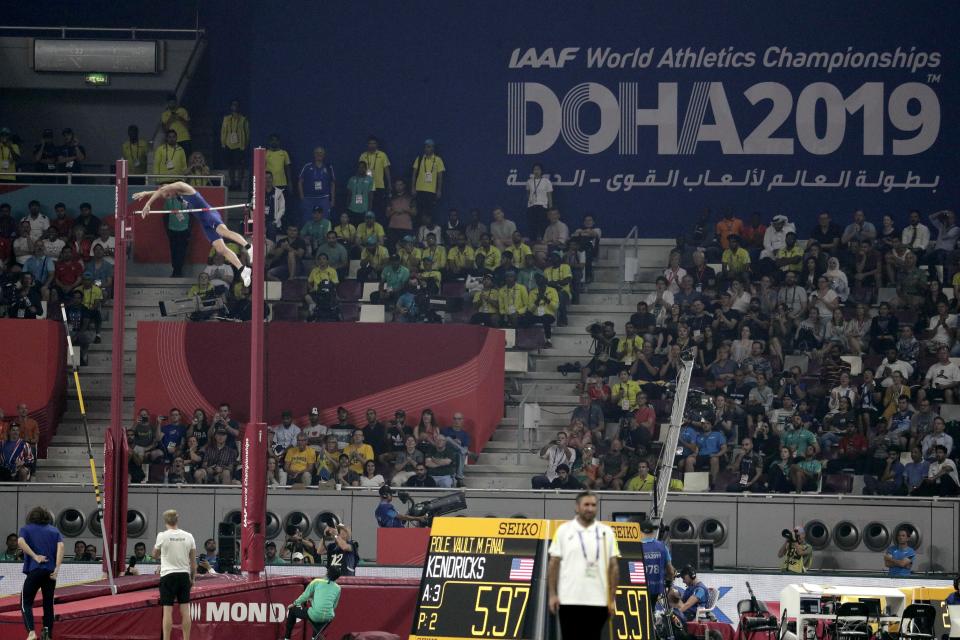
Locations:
(583, 575)
(177, 551)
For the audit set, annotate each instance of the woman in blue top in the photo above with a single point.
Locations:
(213, 225)
(42, 547)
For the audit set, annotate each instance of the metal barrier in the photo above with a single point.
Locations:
(216, 179)
(196, 33)
(634, 235)
(521, 427)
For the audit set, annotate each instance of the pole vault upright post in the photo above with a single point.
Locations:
(254, 490)
(115, 443)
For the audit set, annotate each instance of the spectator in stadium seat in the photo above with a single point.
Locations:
(26, 303)
(72, 154)
(286, 434)
(858, 230)
(502, 230)
(370, 477)
(100, 269)
(405, 462)
(589, 413)
(420, 477)
(275, 206)
(343, 429)
(234, 140)
(374, 433)
(614, 466)
(314, 232)
(170, 158)
(826, 233)
(373, 258)
(426, 228)
(177, 119)
(912, 284)
(427, 181)
(198, 170)
(460, 258)
(916, 470)
(942, 378)
(748, 466)
(328, 460)
(45, 153)
(727, 226)
(560, 277)
(942, 479)
(16, 457)
(134, 151)
(358, 452)
(218, 462)
(345, 474)
(68, 276)
(170, 438)
(634, 438)
(285, 258)
(393, 280)
(889, 480)
(52, 244)
(315, 431)
(453, 227)
(555, 452)
(556, 234)
(486, 304)
(564, 481)
(513, 300)
(643, 480)
(710, 449)
(299, 461)
(458, 437)
(937, 437)
(91, 224)
(42, 268)
(8, 224)
(397, 432)
(12, 553)
(735, 260)
(806, 470)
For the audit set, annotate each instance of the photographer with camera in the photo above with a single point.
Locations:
(603, 350)
(796, 552)
(296, 542)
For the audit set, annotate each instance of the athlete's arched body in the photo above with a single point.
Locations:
(213, 225)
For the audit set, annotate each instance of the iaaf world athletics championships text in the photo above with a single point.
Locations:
(773, 57)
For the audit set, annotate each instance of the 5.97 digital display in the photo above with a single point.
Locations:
(480, 579)
(631, 620)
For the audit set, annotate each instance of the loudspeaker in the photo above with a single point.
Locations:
(228, 545)
(698, 555)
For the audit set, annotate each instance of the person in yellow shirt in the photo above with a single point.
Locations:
(520, 250)
(373, 259)
(134, 151)
(358, 452)
(629, 347)
(198, 170)
(347, 233)
(790, 257)
(428, 170)
(430, 275)
(177, 118)
(378, 168)
(560, 277)
(409, 253)
(9, 154)
(486, 304)
(169, 159)
(299, 462)
(460, 258)
(624, 393)
(491, 255)
(644, 480)
(321, 271)
(542, 305)
(278, 162)
(436, 252)
(513, 300)
(234, 140)
(735, 259)
(369, 227)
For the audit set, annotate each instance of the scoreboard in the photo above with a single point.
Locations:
(486, 578)
(481, 579)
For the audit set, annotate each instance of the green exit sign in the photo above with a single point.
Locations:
(97, 79)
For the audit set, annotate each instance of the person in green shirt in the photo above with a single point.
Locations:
(360, 187)
(393, 279)
(323, 594)
(798, 437)
(643, 481)
(12, 553)
(314, 233)
(270, 555)
(805, 472)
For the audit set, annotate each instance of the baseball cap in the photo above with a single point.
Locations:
(647, 526)
(780, 218)
(314, 411)
(370, 214)
(408, 238)
(297, 556)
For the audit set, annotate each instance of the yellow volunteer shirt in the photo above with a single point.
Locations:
(543, 303)
(736, 261)
(8, 160)
(378, 257)
(277, 162)
(458, 258)
(556, 274)
(92, 296)
(513, 299)
(491, 256)
(183, 134)
(629, 348)
(318, 275)
(376, 163)
(135, 155)
(169, 161)
(487, 301)
(791, 253)
(426, 175)
(235, 133)
(628, 391)
(519, 253)
(359, 454)
(345, 232)
(439, 255)
(365, 230)
(296, 461)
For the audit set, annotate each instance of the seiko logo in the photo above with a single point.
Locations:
(529, 529)
(237, 612)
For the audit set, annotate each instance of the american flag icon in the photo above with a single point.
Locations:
(637, 573)
(521, 569)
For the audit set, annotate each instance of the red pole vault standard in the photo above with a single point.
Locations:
(115, 443)
(253, 495)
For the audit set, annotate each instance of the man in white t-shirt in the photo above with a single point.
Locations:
(315, 431)
(106, 241)
(583, 574)
(555, 452)
(177, 552)
(942, 378)
(284, 434)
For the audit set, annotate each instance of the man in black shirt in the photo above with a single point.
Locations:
(375, 434)
(564, 480)
(341, 550)
(420, 478)
(746, 463)
(644, 321)
(826, 233)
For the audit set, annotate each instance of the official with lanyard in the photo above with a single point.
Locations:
(583, 574)
(954, 598)
(657, 563)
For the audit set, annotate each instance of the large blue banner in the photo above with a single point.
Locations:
(643, 114)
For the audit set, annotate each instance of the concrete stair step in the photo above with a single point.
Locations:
(527, 459)
(504, 482)
(77, 463)
(74, 476)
